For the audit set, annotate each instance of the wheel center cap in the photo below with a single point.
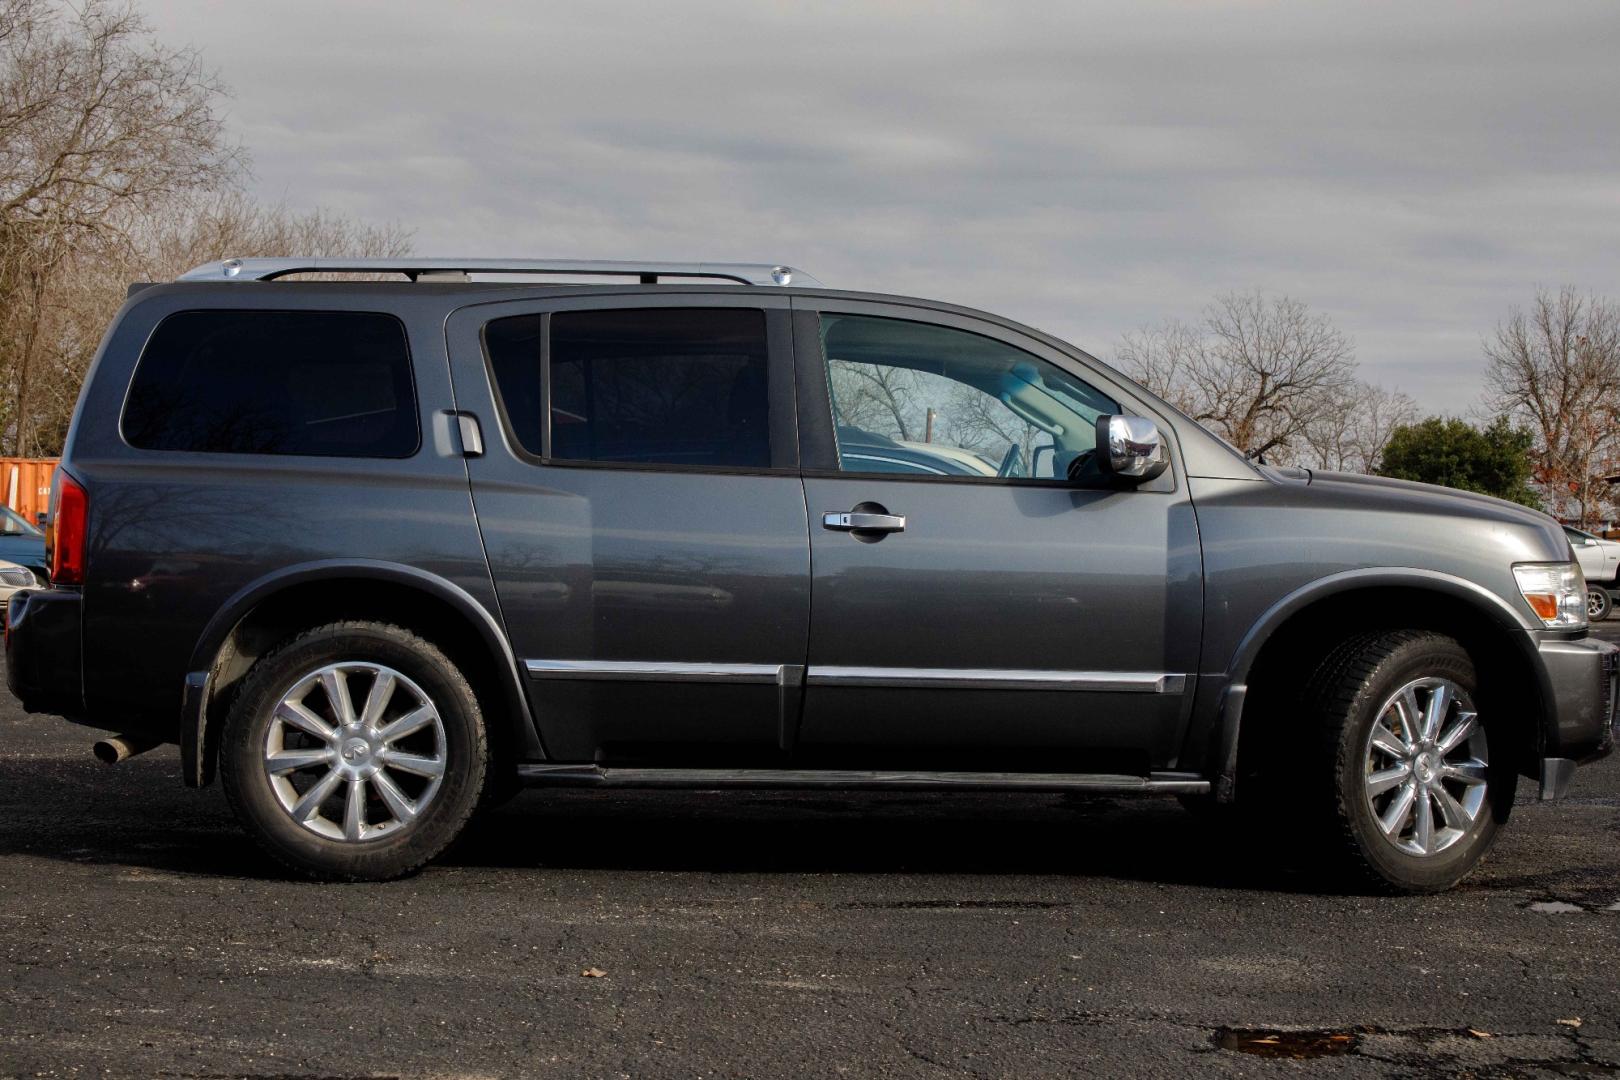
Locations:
(355, 751)
(1425, 768)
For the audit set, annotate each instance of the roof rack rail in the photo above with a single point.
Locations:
(647, 273)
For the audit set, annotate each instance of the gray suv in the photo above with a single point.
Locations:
(379, 552)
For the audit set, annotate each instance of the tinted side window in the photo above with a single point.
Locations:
(513, 348)
(328, 383)
(663, 386)
(928, 400)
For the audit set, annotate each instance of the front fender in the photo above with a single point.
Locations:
(1488, 603)
(1224, 691)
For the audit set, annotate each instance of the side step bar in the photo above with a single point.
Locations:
(1165, 783)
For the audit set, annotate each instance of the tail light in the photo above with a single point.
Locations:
(69, 528)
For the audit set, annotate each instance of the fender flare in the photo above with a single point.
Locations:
(1471, 593)
(195, 765)
(1229, 711)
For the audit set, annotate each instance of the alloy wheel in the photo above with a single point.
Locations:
(355, 772)
(1427, 763)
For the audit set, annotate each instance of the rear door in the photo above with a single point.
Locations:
(974, 609)
(640, 503)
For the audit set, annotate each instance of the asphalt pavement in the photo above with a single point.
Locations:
(757, 934)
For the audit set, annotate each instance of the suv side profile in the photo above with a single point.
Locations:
(376, 553)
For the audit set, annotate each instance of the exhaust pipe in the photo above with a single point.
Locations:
(121, 748)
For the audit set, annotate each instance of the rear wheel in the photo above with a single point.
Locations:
(1415, 793)
(1598, 603)
(355, 751)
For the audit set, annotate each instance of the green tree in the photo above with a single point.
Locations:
(1441, 450)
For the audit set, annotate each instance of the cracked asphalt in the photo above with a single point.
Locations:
(758, 934)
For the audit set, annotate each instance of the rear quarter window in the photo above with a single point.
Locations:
(314, 383)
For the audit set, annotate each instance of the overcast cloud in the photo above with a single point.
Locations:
(1413, 170)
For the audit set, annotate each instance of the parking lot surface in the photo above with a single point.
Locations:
(760, 934)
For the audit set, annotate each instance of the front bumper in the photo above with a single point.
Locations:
(1582, 694)
(44, 656)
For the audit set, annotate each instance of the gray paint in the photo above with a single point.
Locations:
(640, 566)
(705, 618)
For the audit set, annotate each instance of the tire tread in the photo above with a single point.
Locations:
(1331, 694)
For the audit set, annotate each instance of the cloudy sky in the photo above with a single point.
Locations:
(1413, 170)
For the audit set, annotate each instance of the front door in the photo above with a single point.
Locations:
(642, 512)
(972, 607)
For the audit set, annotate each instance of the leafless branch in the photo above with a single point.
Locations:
(114, 166)
(1556, 369)
(1258, 370)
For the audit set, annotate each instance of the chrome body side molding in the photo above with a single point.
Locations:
(1164, 783)
(655, 671)
(1127, 682)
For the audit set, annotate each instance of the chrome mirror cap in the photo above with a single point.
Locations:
(1131, 447)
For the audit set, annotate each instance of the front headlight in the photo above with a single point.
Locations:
(1556, 592)
(16, 577)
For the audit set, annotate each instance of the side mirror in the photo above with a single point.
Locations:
(1131, 448)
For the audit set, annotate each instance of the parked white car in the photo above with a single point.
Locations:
(1600, 565)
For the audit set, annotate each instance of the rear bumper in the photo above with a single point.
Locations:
(44, 652)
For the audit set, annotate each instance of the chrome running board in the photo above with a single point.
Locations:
(1162, 783)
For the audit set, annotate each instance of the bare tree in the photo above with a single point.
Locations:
(202, 228)
(983, 424)
(1259, 371)
(1351, 437)
(877, 396)
(114, 166)
(99, 127)
(1161, 359)
(88, 287)
(97, 119)
(1556, 369)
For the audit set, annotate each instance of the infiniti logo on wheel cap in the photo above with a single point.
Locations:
(355, 749)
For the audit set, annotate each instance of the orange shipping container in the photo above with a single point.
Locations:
(25, 484)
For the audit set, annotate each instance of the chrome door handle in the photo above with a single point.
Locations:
(472, 436)
(860, 521)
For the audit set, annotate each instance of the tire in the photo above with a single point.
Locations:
(1598, 603)
(386, 813)
(1465, 792)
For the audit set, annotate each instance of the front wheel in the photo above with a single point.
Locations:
(355, 751)
(1598, 603)
(1416, 794)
